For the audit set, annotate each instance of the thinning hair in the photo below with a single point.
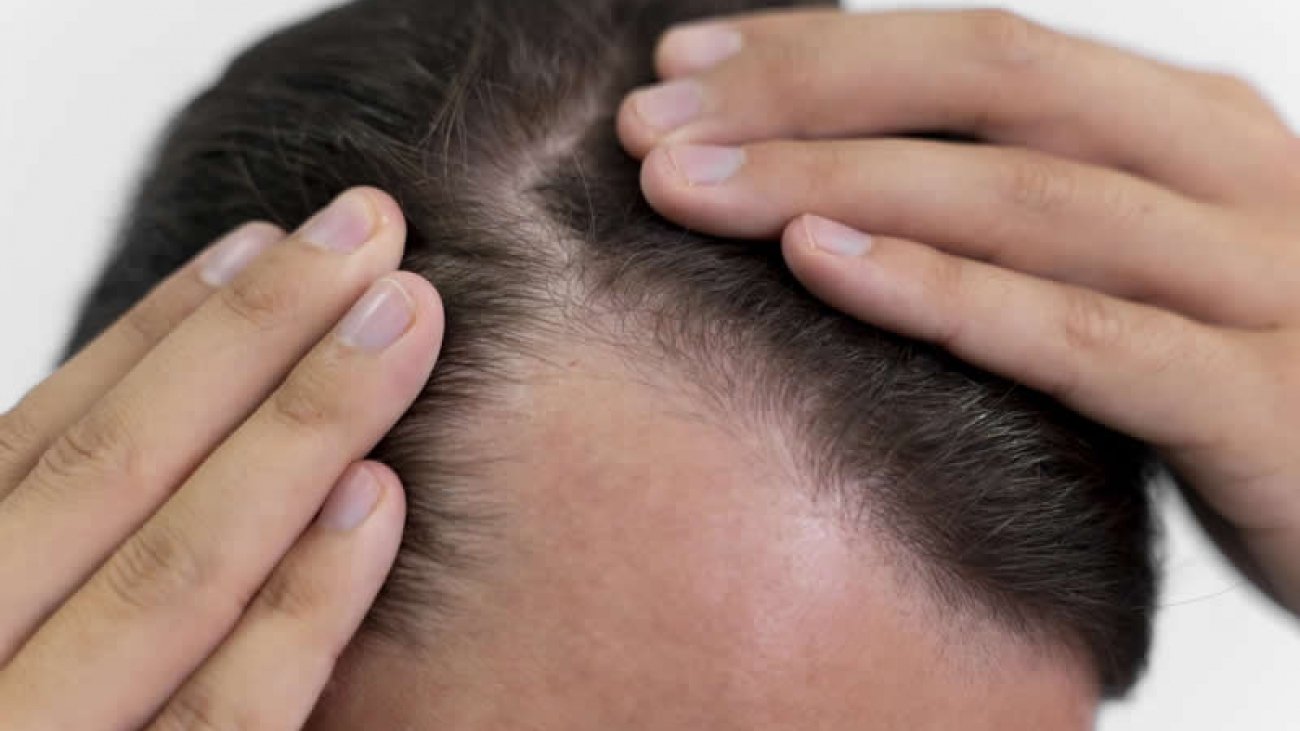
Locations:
(491, 123)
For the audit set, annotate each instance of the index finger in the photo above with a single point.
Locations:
(63, 398)
(987, 74)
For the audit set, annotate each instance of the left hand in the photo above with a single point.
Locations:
(1127, 238)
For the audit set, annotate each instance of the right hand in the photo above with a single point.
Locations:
(1142, 272)
(159, 561)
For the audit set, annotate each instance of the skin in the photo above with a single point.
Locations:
(659, 571)
(1085, 250)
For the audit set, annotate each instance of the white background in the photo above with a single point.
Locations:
(85, 86)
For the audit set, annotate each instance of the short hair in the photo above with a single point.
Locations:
(492, 124)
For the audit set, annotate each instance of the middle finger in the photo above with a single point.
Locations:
(1020, 209)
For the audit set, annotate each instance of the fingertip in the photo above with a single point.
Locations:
(660, 179)
(797, 246)
(638, 138)
(412, 360)
(392, 494)
(386, 208)
(426, 298)
(795, 238)
(263, 231)
(668, 61)
(368, 502)
(389, 221)
(828, 257)
(664, 63)
(225, 258)
(695, 47)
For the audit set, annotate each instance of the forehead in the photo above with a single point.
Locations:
(657, 571)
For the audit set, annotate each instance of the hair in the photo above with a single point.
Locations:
(491, 123)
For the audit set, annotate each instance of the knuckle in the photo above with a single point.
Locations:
(1092, 324)
(19, 436)
(293, 595)
(148, 323)
(262, 301)
(159, 567)
(1005, 38)
(99, 445)
(1039, 187)
(197, 709)
(308, 399)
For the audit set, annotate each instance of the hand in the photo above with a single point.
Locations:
(158, 556)
(1127, 238)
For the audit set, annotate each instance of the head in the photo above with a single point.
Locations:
(653, 484)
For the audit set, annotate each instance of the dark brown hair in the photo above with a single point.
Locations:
(491, 122)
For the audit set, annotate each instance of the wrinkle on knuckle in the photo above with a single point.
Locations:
(159, 567)
(1038, 187)
(99, 447)
(262, 301)
(147, 324)
(1092, 325)
(294, 595)
(310, 399)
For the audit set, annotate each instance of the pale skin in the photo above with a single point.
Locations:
(161, 565)
(654, 568)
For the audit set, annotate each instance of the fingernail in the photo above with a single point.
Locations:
(351, 501)
(343, 226)
(835, 238)
(224, 260)
(379, 318)
(669, 106)
(703, 46)
(706, 164)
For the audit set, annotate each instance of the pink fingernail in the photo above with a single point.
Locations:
(232, 253)
(699, 47)
(669, 106)
(351, 501)
(343, 226)
(379, 318)
(835, 238)
(707, 164)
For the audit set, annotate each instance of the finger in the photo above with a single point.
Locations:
(102, 478)
(1139, 369)
(988, 74)
(63, 398)
(1016, 208)
(188, 574)
(271, 670)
